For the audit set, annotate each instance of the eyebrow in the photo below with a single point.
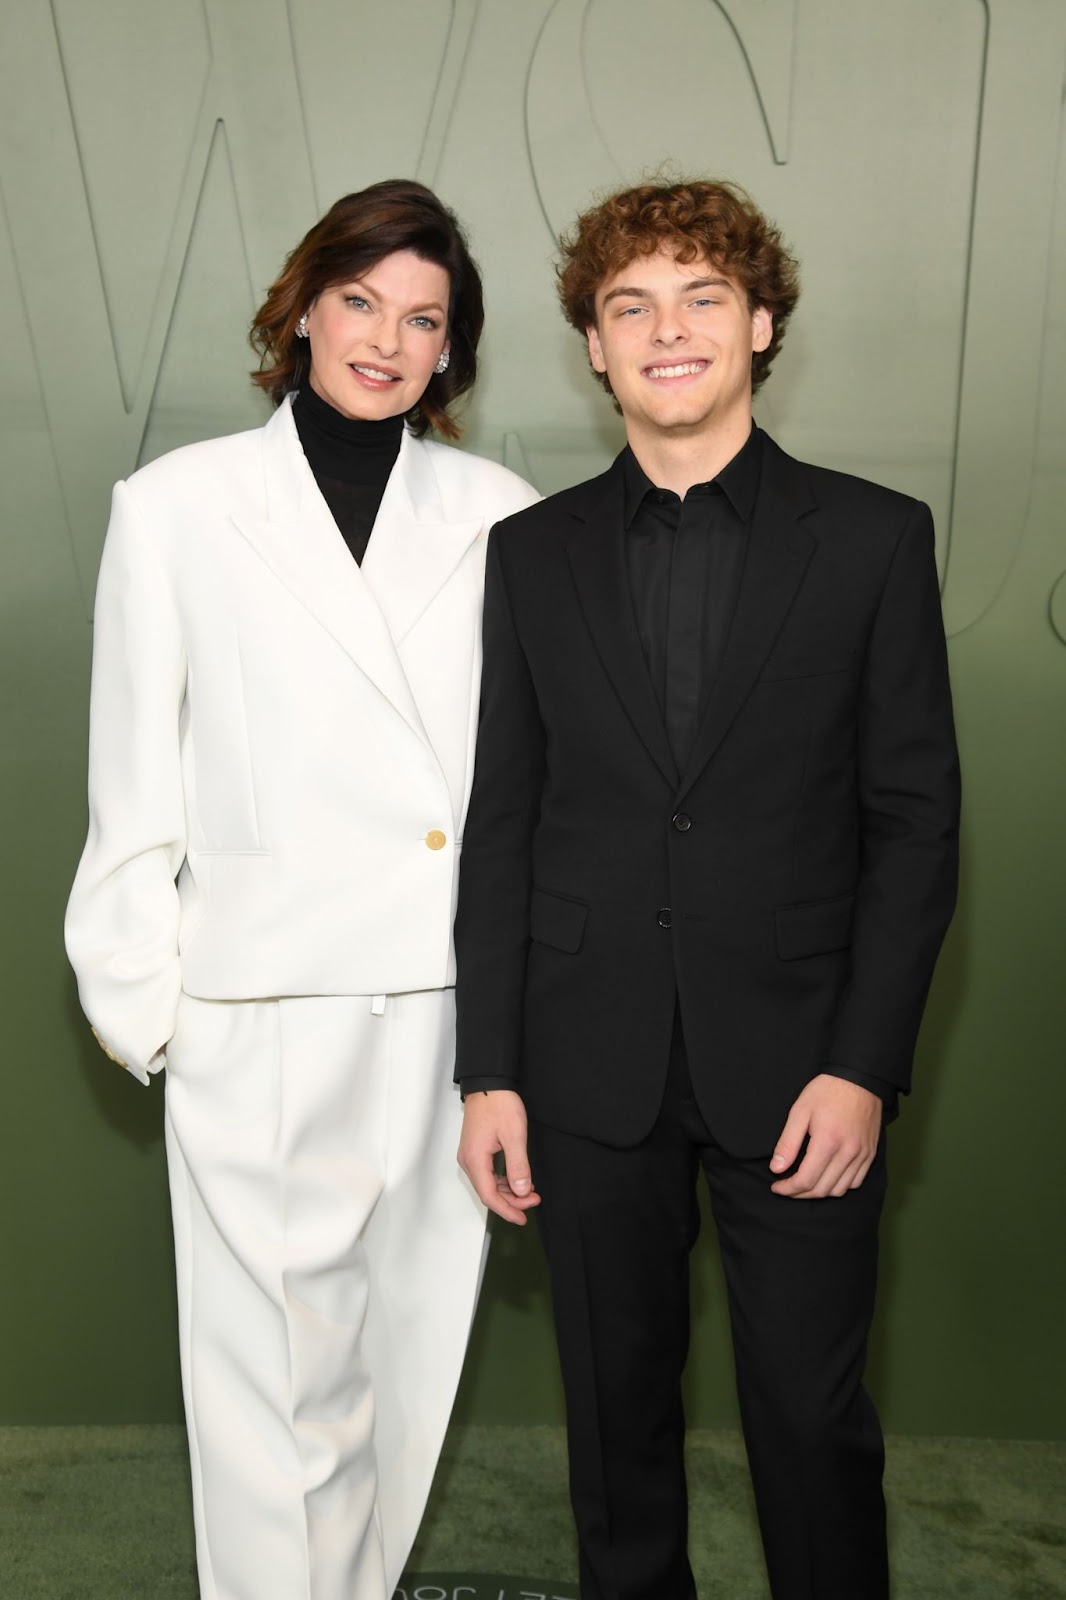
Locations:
(361, 283)
(632, 293)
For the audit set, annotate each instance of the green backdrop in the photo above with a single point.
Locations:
(156, 162)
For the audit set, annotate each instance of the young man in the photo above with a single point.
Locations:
(710, 858)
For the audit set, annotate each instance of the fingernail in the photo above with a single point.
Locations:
(521, 1186)
(778, 1162)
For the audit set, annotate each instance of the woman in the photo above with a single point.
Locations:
(285, 690)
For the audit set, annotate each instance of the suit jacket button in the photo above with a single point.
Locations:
(682, 821)
(436, 840)
(663, 918)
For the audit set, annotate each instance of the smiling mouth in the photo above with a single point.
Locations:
(679, 369)
(375, 374)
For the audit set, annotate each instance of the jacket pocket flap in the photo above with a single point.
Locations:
(808, 666)
(558, 922)
(814, 929)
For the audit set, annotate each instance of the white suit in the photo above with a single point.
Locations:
(281, 755)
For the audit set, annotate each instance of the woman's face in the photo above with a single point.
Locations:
(375, 340)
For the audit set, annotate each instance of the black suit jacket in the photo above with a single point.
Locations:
(790, 888)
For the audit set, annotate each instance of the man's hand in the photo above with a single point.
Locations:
(495, 1122)
(843, 1122)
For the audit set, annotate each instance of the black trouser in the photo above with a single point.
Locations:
(618, 1226)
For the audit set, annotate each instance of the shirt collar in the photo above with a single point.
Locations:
(738, 479)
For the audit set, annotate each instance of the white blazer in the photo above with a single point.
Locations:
(281, 743)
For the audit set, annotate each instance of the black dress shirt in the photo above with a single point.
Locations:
(351, 461)
(685, 558)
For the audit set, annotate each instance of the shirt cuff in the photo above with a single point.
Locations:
(480, 1085)
(886, 1092)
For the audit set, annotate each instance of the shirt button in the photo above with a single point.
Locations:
(682, 821)
(436, 840)
(663, 918)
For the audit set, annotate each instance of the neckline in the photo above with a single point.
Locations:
(346, 450)
(354, 432)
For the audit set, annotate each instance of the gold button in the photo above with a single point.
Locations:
(436, 840)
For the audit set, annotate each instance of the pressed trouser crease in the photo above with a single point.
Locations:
(328, 1258)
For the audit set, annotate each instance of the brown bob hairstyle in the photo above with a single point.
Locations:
(353, 236)
(715, 220)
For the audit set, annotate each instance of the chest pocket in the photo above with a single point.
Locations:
(815, 664)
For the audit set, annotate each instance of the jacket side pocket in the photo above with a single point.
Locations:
(556, 921)
(814, 929)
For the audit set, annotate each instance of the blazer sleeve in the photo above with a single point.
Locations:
(492, 920)
(909, 811)
(122, 917)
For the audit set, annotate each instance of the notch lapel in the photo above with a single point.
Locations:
(777, 558)
(300, 543)
(596, 551)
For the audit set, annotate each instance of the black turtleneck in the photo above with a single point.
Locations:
(351, 460)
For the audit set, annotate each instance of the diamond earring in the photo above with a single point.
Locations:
(442, 364)
(301, 327)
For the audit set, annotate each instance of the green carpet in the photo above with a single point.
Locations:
(103, 1514)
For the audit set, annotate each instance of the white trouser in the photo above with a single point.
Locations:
(328, 1256)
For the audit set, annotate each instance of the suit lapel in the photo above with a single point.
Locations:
(779, 551)
(300, 543)
(596, 551)
(414, 548)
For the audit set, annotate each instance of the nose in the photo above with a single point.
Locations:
(386, 337)
(669, 327)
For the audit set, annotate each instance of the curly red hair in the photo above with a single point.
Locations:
(705, 218)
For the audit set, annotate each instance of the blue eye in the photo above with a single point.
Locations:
(425, 322)
(354, 300)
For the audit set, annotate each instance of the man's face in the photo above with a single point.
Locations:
(675, 340)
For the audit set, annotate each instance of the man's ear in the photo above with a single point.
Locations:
(595, 350)
(762, 328)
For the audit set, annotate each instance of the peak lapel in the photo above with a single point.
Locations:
(778, 554)
(300, 543)
(596, 551)
(414, 548)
